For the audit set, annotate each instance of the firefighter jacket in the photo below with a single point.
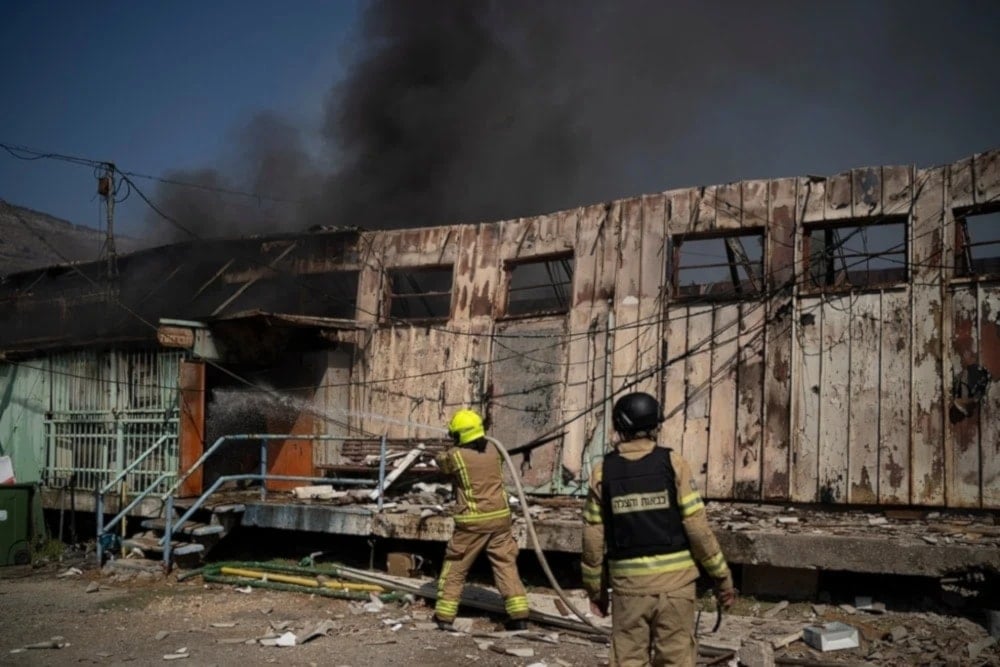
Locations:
(659, 559)
(479, 489)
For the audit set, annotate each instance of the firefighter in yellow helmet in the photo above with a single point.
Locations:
(645, 516)
(482, 521)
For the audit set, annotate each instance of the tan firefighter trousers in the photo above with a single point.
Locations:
(654, 629)
(458, 559)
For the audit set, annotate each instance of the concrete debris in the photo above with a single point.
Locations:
(782, 642)
(848, 609)
(374, 605)
(897, 634)
(226, 624)
(520, 651)
(407, 461)
(484, 645)
(928, 539)
(321, 630)
(245, 589)
(286, 639)
(93, 587)
(463, 624)
(877, 521)
(279, 626)
(776, 609)
(425, 626)
(71, 572)
(976, 648)
(53, 642)
(161, 635)
(318, 492)
(755, 653)
(831, 636)
(787, 520)
(538, 664)
(176, 656)
(819, 609)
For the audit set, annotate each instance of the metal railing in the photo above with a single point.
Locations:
(102, 526)
(263, 477)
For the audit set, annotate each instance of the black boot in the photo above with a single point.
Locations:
(447, 626)
(516, 624)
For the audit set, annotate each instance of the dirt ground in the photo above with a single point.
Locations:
(143, 622)
(92, 617)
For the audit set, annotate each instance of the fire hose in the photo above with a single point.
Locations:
(536, 545)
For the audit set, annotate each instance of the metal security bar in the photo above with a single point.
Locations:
(108, 409)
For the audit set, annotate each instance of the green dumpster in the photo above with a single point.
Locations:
(15, 523)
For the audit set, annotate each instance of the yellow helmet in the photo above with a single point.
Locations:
(466, 426)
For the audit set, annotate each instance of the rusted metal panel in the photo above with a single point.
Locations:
(987, 175)
(989, 410)
(483, 283)
(896, 189)
(866, 330)
(839, 197)
(651, 292)
(961, 183)
(675, 336)
(370, 279)
(807, 392)
(780, 264)
(754, 198)
(705, 209)
(811, 204)
(528, 377)
(749, 403)
(894, 399)
(722, 405)
(729, 200)
(626, 304)
(333, 398)
(963, 487)
(421, 247)
(191, 387)
(585, 347)
(697, 397)
(866, 191)
(681, 211)
(834, 398)
(927, 455)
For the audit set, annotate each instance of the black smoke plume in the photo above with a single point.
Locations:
(470, 110)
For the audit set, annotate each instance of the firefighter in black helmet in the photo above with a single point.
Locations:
(645, 516)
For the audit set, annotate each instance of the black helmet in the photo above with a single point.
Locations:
(637, 412)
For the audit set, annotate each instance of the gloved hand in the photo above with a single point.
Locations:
(599, 608)
(725, 593)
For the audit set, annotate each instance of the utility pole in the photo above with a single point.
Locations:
(106, 189)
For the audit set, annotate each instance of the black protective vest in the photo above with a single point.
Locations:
(640, 512)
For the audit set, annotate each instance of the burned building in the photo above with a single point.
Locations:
(813, 340)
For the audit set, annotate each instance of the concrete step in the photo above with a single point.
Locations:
(152, 545)
(191, 528)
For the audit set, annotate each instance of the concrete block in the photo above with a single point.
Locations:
(831, 636)
(784, 582)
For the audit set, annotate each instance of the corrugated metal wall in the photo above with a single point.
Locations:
(809, 395)
(90, 414)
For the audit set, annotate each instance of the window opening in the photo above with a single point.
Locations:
(540, 286)
(857, 255)
(332, 294)
(420, 293)
(977, 242)
(723, 267)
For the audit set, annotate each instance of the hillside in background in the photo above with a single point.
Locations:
(22, 248)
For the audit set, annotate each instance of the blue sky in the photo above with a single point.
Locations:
(153, 86)
(672, 95)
